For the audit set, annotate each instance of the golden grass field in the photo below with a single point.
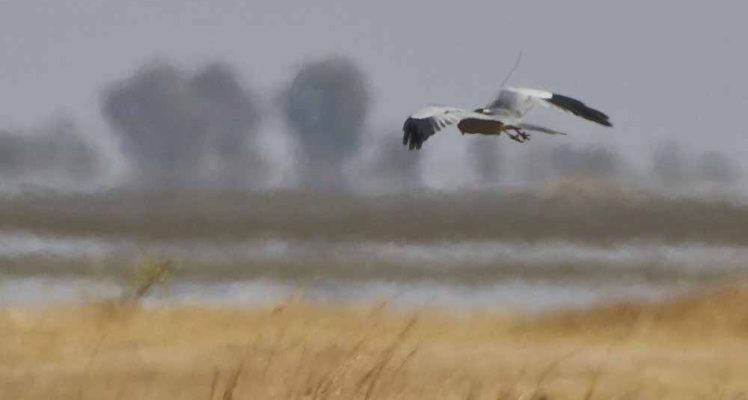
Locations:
(691, 347)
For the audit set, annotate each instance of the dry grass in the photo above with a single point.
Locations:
(692, 347)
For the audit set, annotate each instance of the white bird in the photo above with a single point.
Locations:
(503, 114)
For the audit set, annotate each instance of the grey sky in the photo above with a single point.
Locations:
(660, 69)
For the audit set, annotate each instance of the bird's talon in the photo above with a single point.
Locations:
(516, 138)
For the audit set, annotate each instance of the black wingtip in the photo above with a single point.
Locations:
(415, 132)
(580, 109)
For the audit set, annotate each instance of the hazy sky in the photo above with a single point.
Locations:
(659, 69)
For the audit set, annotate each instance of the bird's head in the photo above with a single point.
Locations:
(480, 110)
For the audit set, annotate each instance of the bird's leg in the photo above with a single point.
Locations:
(515, 137)
(520, 136)
(524, 135)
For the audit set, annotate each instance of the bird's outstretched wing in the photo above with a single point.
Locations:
(429, 120)
(518, 101)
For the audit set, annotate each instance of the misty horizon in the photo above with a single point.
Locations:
(655, 97)
(191, 112)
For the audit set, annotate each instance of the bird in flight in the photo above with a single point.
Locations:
(502, 115)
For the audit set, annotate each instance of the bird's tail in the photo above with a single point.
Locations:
(538, 128)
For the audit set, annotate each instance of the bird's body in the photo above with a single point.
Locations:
(502, 115)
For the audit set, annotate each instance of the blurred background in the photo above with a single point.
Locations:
(255, 149)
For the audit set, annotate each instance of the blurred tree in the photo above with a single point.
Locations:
(669, 164)
(395, 168)
(231, 119)
(326, 106)
(594, 162)
(535, 162)
(719, 169)
(486, 159)
(172, 126)
(55, 154)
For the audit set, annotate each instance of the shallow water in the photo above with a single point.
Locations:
(683, 260)
(503, 296)
(468, 275)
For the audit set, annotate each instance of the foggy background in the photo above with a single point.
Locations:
(261, 142)
(280, 94)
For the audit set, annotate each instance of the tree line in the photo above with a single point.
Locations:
(179, 128)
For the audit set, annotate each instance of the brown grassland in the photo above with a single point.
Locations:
(690, 347)
(595, 214)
